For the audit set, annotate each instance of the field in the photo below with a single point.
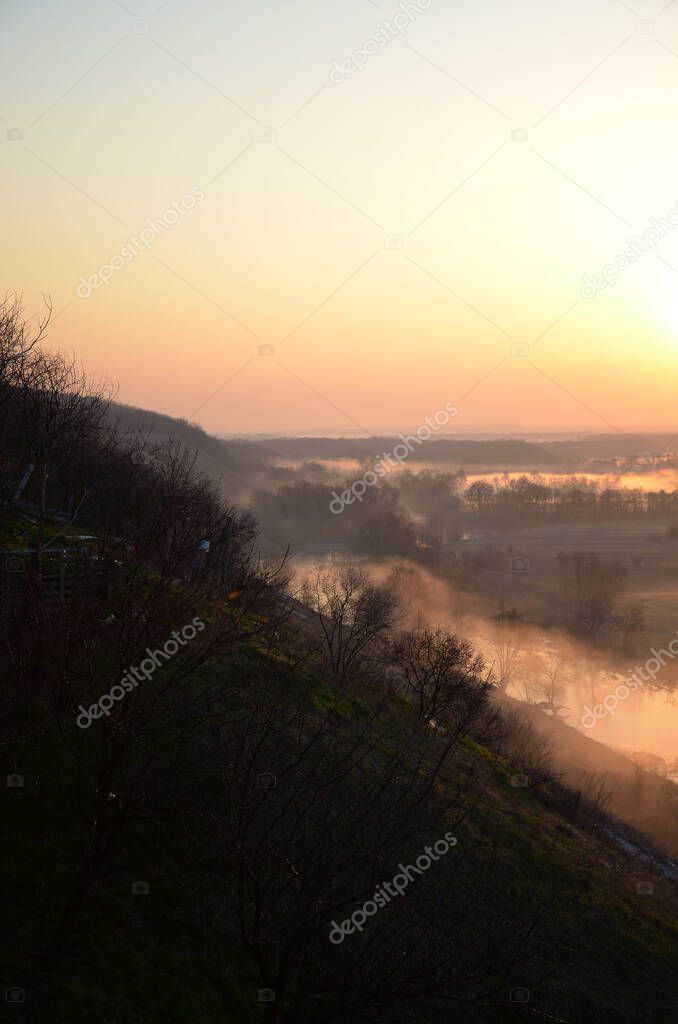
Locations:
(529, 577)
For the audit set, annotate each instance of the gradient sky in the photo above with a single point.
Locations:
(290, 247)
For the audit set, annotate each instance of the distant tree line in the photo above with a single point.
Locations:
(527, 501)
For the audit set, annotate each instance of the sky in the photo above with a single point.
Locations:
(390, 207)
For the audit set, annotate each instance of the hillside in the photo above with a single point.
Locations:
(536, 910)
(224, 805)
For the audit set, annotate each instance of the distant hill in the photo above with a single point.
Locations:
(231, 452)
(492, 452)
(158, 425)
(240, 461)
(615, 445)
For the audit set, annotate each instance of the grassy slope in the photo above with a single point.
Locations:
(142, 959)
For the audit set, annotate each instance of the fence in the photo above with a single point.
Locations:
(50, 579)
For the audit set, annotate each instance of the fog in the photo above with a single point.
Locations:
(446, 547)
(646, 721)
(654, 480)
(641, 732)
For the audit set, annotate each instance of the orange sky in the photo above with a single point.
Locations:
(366, 249)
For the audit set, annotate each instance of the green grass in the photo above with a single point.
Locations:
(147, 959)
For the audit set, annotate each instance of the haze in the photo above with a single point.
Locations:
(339, 499)
(127, 107)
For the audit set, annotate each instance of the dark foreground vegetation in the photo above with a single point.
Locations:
(179, 849)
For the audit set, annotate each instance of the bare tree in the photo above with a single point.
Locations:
(343, 805)
(479, 496)
(59, 416)
(134, 639)
(17, 343)
(629, 624)
(353, 617)
(527, 748)
(556, 672)
(438, 670)
(591, 585)
(507, 658)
